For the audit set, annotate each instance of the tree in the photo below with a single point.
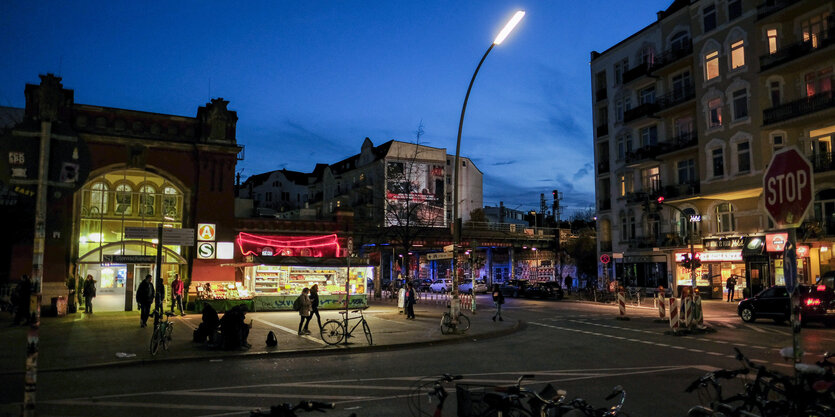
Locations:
(583, 251)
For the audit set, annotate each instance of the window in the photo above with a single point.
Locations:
(98, 198)
(772, 40)
(621, 148)
(725, 218)
(631, 224)
(625, 184)
(686, 171)
(814, 28)
(624, 228)
(714, 109)
(774, 93)
(818, 82)
(170, 198)
(123, 199)
(620, 68)
(681, 83)
(712, 65)
(685, 223)
(603, 116)
(679, 41)
(718, 163)
(628, 139)
(740, 107)
(737, 54)
(601, 81)
(683, 127)
(709, 17)
(647, 95)
(649, 136)
(777, 141)
(743, 157)
(647, 56)
(734, 9)
(147, 200)
(619, 110)
(651, 179)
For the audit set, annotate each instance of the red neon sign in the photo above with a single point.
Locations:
(309, 246)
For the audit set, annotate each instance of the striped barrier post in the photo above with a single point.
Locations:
(688, 312)
(674, 314)
(697, 312)
(622, 306)
(660, 302)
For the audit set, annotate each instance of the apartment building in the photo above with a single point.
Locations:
(691, 109)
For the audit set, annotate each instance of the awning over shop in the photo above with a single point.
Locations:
(252, 260)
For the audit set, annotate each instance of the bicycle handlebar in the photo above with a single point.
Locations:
(314, 406)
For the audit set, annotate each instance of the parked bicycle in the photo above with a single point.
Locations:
(448, 326)
(162, 332)
(434, 389)
(634, 296)
(334, 331)
(289, 410)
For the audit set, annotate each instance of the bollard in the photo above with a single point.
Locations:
(697, 312)
(674, 314)
(688, 312)
(622, 306)
(660, 302)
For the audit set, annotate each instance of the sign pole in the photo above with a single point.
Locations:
(160, 289)
(790, 274)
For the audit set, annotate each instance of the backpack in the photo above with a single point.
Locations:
(271, 339)
(297, 305)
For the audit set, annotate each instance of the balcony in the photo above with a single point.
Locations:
(681, 190)
(797, 108)
(633, 74)
(676, 97)
(773, 6)
(822, 162)
(605, 245)
(602, 130)
(816, 228)
(644, 110)
(600, 94)
(604, 205)
(671, 55)
(797, 50)
(683, 141)
(643, 153)
(603, 167)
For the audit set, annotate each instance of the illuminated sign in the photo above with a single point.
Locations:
(713, 256)
(308, 246)
(776, 242)
(206, 232)
(695, 218)
(206, 250)
(803, 251)
(225, 250)
(414, 194)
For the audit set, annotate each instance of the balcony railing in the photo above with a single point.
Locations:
(645, 109)
(797, 50)
(642, 153)
(676, 97)
(605, 205)
(600, 94)
(635, 73)
(822, 161)
(685, 140)
(799, 108)
(602, 130)
(671, 55)
(681, 190)
(603, 167)
(773, 6)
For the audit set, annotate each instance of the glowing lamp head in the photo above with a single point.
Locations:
(509, 27)
(660, 199)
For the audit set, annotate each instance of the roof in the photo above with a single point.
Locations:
(674, 7)
(10, 116)
(350, 163)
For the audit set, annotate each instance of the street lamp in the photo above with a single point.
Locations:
(456, 233)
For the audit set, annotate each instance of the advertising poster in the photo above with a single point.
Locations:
(415, 194)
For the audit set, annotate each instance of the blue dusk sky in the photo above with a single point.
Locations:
(311, 79)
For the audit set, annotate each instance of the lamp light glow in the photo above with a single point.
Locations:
(509, 27)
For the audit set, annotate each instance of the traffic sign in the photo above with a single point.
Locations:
(788, 184)
(141, 232)
(438, 256)
(604, 259)
(206, 250)
(179, 237)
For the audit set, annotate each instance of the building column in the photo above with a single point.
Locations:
(490, 267)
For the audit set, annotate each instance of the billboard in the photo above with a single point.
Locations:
(415, 194)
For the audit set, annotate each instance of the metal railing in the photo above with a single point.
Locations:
(676, 97)
(797, 50)
(645, 109)
(671, 55)
(770, 7)
(642, 153)
(798, 108)
(635, 73)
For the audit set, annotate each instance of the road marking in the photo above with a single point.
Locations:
(186, 322)
(754, 328)
(148, 404)
(295, 332)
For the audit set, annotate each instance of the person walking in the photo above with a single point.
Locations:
(177, 294)
(409, 301)
(89, 293)
(730, 284)
(314, 308)
(304, 311)
(498, 300)
(145, 297)
(23, 292)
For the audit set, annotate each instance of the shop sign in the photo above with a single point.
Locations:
(776, 242)
(266, 251)
(713, 256)
(206, 232)
(802, 251)
(225, 250)
(128, 259)
(723, 243)
(206, 250)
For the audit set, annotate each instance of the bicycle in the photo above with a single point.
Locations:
(334, 331)
(437, 391)
(447, 325)
(289, 410)
(634, 294)
(162, 332)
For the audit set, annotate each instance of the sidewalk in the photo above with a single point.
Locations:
(81, 341)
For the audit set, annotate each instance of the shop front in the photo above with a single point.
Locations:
(647, 271)
(775, 246)
(715, 269)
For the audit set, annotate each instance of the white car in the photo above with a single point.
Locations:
(441, 285)
(467, 287)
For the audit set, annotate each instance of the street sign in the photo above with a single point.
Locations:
(448, 248)
(787, 187)
(438, 256)
(604, 259)
(141, 232)
(128, 259)
(206, 232)
(206, 250)
(181, 237)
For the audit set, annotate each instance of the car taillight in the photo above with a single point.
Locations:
(813, 302)
(821, 288)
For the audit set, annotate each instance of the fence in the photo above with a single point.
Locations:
(429, 298)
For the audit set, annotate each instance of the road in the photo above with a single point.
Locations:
(578, 347)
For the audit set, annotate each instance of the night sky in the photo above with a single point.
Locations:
(311, 79)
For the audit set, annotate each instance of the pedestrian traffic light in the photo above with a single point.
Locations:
(658, 202)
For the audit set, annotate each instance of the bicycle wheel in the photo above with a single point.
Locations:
(367, 331)
(446, 324)
(166, 341)
(332, 332)
(463, 323)
(155, 341)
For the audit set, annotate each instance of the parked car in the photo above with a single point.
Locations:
(513, 287)
(547, 289)
(817, 303)
(422, 284)
(441, 285)
(467, 287)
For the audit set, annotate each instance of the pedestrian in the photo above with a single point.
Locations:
(304, 311)
(731, 286)
(409, 301)
(177, 294)
(498, 300)
(89, 293)
(233, 328)
(568, 282)
(314, 308)
(145, 297)
(23, 292)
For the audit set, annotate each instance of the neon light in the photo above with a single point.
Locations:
(314, 246)
(713, 256)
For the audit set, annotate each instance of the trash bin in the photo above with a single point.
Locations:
(59, 306)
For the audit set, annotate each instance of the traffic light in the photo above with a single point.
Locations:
(691, 262)
(659, 203)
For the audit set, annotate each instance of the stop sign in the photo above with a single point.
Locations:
(787, 187)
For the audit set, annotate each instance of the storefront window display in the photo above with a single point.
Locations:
(716, 268)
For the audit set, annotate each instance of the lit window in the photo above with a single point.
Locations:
(772, 41)
(123, 199)
(814, 28)
(147, 198)
(712, 65)
(98, 198)
(743, 156)
(725, 218)
(170, 200)
(740, 98)
(718, 163)
(737, 54)
(714, 113)
(818, 82)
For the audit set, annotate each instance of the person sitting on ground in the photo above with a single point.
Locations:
(207, 328)
(233, 329)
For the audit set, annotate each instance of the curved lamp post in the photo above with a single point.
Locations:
(456, 233)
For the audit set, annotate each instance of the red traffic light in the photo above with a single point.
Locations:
(660, 199)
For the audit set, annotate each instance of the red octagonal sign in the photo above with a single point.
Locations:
(787, 187)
